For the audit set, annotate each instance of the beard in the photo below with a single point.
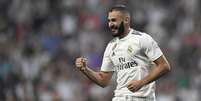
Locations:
(120, 30)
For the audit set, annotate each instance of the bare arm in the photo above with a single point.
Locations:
(162, 67)
(100, 78)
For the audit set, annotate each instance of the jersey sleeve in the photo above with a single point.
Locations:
(107, 64)
(150, 47)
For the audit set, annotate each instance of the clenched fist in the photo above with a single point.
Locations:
(135, 85)
(81, 63)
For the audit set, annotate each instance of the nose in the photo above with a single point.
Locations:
(110, 24)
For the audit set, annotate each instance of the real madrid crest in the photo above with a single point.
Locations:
(130, 49)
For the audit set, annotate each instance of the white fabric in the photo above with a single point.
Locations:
(131, 98)
(131, 58)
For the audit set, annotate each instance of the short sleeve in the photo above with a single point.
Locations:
(150, 47)
(107, 64)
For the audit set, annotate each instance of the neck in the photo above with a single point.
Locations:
(125, 33)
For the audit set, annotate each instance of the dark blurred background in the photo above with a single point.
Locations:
(40, 39)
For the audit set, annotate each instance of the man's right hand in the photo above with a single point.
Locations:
(100, 78)
(81, 63)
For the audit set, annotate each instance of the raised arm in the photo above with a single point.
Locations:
(100, 78)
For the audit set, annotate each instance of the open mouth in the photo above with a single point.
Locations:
(113, 29)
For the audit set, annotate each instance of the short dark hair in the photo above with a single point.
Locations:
(121, 8)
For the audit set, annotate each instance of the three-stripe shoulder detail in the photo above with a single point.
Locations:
(136, 33)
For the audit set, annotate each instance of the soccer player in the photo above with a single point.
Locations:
(133, 55)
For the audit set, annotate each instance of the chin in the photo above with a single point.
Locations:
(115, 34)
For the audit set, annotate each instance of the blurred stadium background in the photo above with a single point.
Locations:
(40, 39)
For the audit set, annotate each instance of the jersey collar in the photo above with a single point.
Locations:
(128, 35)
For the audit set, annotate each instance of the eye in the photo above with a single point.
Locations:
(113, 20)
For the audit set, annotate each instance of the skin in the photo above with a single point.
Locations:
(103, 78)
(114, 20)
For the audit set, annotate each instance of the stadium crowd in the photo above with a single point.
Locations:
(40, 39)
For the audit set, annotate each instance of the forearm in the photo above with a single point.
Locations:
(156, 73)
(95, 77)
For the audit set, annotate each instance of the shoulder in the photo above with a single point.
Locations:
(141, 35)
(112, 41)
(145, 40)
(110, 44)
(137, 33)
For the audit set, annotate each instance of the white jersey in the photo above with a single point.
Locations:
(131, 58)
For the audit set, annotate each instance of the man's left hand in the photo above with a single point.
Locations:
(135, 85)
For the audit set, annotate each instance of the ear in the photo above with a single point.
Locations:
(126, 19)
